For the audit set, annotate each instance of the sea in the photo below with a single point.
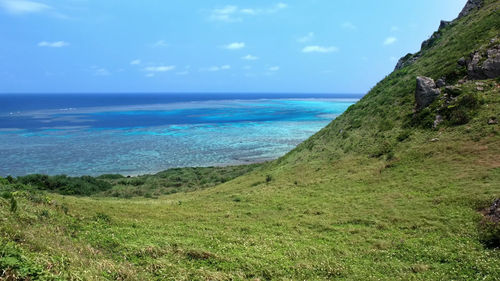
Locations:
(134, 134)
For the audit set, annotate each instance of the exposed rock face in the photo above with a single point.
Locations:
(429, 42)
(426, 92)
(484, 65)
(470, 6)
(407, 60)
(444, 24)
(411, 58)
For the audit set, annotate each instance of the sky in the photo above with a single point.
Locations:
(223, 46)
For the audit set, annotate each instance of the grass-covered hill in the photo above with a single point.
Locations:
(379, 194)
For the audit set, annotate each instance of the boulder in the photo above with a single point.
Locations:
(426, 92)
(469, 7)
(484, 65)
(493, 212)
(491, 66)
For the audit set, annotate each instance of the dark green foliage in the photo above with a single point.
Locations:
(65, 185)
(462, 110)
(173, 181)
(102, 217)
(15, 266)
(110, 177)
(13, 204)
(404, 135)
(489, 234)
(269, 178)
(10, 179)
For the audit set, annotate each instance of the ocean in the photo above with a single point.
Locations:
(133, 134)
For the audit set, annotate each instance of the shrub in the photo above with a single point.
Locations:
(269, 178)
(65, 185)
(489, 234)
(13, 204)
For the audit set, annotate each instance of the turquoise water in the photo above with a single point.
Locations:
(147, 138)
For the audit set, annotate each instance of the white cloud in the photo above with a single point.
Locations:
(393, 59)
(101, 72)
(274, 68)
(309, 37)
(277, 7)
(320, 49)
(160, 44)
(57, 44)
(390, 41)
(250, 57)
(233, 13)
(235, 46)
(225, 14)
(217, 68)
(349, 26)
(248, 11)
(18, 7)
(136, 62)
(163, 68)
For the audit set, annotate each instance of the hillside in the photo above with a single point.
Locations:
(384, 192)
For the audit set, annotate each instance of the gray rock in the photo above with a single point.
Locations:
(439, 120)
(491, 65)
(469, 7)
(493, 121)
(440, 83)
(426, 92)
(444, 24)
(462, 61)
(407, 60)
(484, 65)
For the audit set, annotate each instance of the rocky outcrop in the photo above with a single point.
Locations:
(426, 92)
(409, 59)
(444, 24)
(469, 7)
(436, 35)
(484, 64)
(493, 212)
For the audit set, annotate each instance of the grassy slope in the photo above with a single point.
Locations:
(367, 198)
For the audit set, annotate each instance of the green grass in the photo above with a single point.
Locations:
(370, 197)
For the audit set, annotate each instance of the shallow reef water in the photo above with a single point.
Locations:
(95, 137)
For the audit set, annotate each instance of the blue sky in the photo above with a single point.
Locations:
(306, 46)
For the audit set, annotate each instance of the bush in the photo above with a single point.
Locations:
(489, 234)
(269, 178)
(65, 185)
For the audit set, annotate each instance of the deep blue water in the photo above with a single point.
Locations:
(79, 134)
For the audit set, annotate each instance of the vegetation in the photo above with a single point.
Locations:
(379, 194)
